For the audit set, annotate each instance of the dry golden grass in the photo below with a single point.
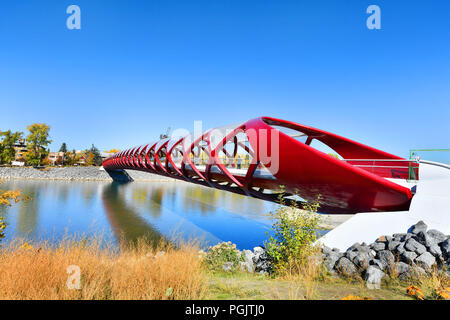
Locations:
(434, 286)
(305, 273)
(39, 271)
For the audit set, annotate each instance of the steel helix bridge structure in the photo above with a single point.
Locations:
(274, 159)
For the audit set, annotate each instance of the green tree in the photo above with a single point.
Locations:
(93, 157)
(7, 152)
(63, 149)
(37, 140)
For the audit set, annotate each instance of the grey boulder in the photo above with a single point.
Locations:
(373, 277)
(346, 267)
(413, 245)
(330, 260)
(435, 250)
(257, 253)
(401, 267)
(386, 258)
(419, 226)
(402, 237)
(408, 257)
(379, 246)
(425, 239)
(263, 265)
(376, 263)
(247, 265)
(398, 250)
(445, 247)
(326, 250)
(437, 235)
(362, 260)
(392, 245)
(355, 247)
(426, 260)
(351, 255)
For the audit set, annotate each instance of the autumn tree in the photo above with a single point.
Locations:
(112, 151)
(68, 158)
(7, 197)
(89, 158)
(8, 140)
(71, 158)
(93, 157)
(37, 140)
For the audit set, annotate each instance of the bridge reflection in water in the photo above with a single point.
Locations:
(128, 226)
(179, 211)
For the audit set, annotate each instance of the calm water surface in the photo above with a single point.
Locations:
(126, 212)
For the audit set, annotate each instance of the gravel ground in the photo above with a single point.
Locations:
(72, 174)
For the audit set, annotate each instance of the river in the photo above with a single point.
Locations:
(122, 213)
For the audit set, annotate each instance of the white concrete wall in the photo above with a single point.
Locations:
(431, 204)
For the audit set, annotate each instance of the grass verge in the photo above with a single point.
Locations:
(43, 271)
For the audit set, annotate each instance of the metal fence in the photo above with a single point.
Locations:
(436, 155)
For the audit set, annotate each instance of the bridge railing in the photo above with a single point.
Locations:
(388, 168)
(434, 155)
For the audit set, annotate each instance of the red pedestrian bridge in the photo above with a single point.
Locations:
(274, 159)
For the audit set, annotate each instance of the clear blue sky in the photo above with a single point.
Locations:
(137, 67)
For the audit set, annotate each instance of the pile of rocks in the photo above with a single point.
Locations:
(406, 254)
(256, 261)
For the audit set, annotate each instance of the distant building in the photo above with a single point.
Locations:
(81, 157)
(56, 157)
(106, 154)
(20, 149)
(82, 160)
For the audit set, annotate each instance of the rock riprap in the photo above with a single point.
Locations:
(406, 255)
(255, 261)
(72, 174)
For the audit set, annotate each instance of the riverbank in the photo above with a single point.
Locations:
(71, 174)
(44, 272)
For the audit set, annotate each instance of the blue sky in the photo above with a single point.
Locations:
(137, 67)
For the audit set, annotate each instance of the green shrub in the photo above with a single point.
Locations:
(222, 252)
(295, 231)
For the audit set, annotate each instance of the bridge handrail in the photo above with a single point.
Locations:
(386, 160)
